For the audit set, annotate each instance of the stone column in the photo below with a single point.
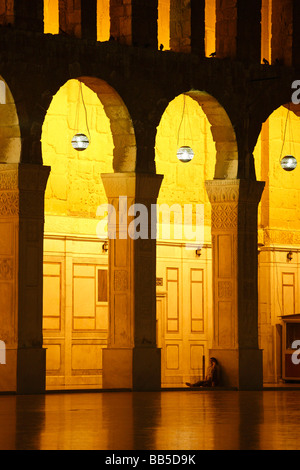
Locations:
(235, 291)
(238, 30)
(28, 18)
(22, 190)
(89, 19)
(132, 359)
(134, 22)
(70, 17)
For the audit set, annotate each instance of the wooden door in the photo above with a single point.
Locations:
(181, 322)
(75, 321)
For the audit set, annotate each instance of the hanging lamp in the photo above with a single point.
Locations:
(185, 153)
(80, 141)
(288, 162)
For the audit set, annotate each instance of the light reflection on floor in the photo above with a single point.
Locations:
(169, 420)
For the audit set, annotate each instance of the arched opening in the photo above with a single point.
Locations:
(10, 150)
(75, 321)
(266, 30)
(184, 262)
(210, 27)
(103, 20)
(279, 240)
(51, 16)
(163, 24)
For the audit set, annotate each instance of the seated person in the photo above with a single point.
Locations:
(212, 375)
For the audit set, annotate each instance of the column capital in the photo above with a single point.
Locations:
(133, 185)
(23, 176)
(22, 188)
(235, 190)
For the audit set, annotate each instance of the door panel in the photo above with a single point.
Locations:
(181, 321)
(75, 321)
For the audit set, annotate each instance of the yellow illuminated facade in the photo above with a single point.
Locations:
(75, 314)
(75, 263)
(76, 282)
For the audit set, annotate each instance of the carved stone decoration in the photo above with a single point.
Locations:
(224, 191)
(224, 216)
(224, 289)
(6, 269)
(9, 203)
(120, 280)
(281, 237)
(8, 180)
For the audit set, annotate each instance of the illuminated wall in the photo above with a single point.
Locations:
(75, 312)
(185, 124)
(51, 17)
(163, 25)
(103, 20)
(266, 14)
(282, 186)
(279, 233)
(75, 267)
(74, 188)
(210, 27)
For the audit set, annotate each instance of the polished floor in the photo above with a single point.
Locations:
(167, 420)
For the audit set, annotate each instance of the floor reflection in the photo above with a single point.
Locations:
(169, 420)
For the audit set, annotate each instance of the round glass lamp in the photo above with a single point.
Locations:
(185, 154)
(80, 142)
(288, 163)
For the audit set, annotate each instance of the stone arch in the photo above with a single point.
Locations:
(281, 186)
(124, 153)
(295, 111)
(223, 134)
(10, 149)
(120, 122)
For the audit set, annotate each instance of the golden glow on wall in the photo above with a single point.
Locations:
(266, 25)
(210, 27)
(51, 17)
(185, 124)
(164, 23)
(282, 187)
(75, 187)
(103, 20)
